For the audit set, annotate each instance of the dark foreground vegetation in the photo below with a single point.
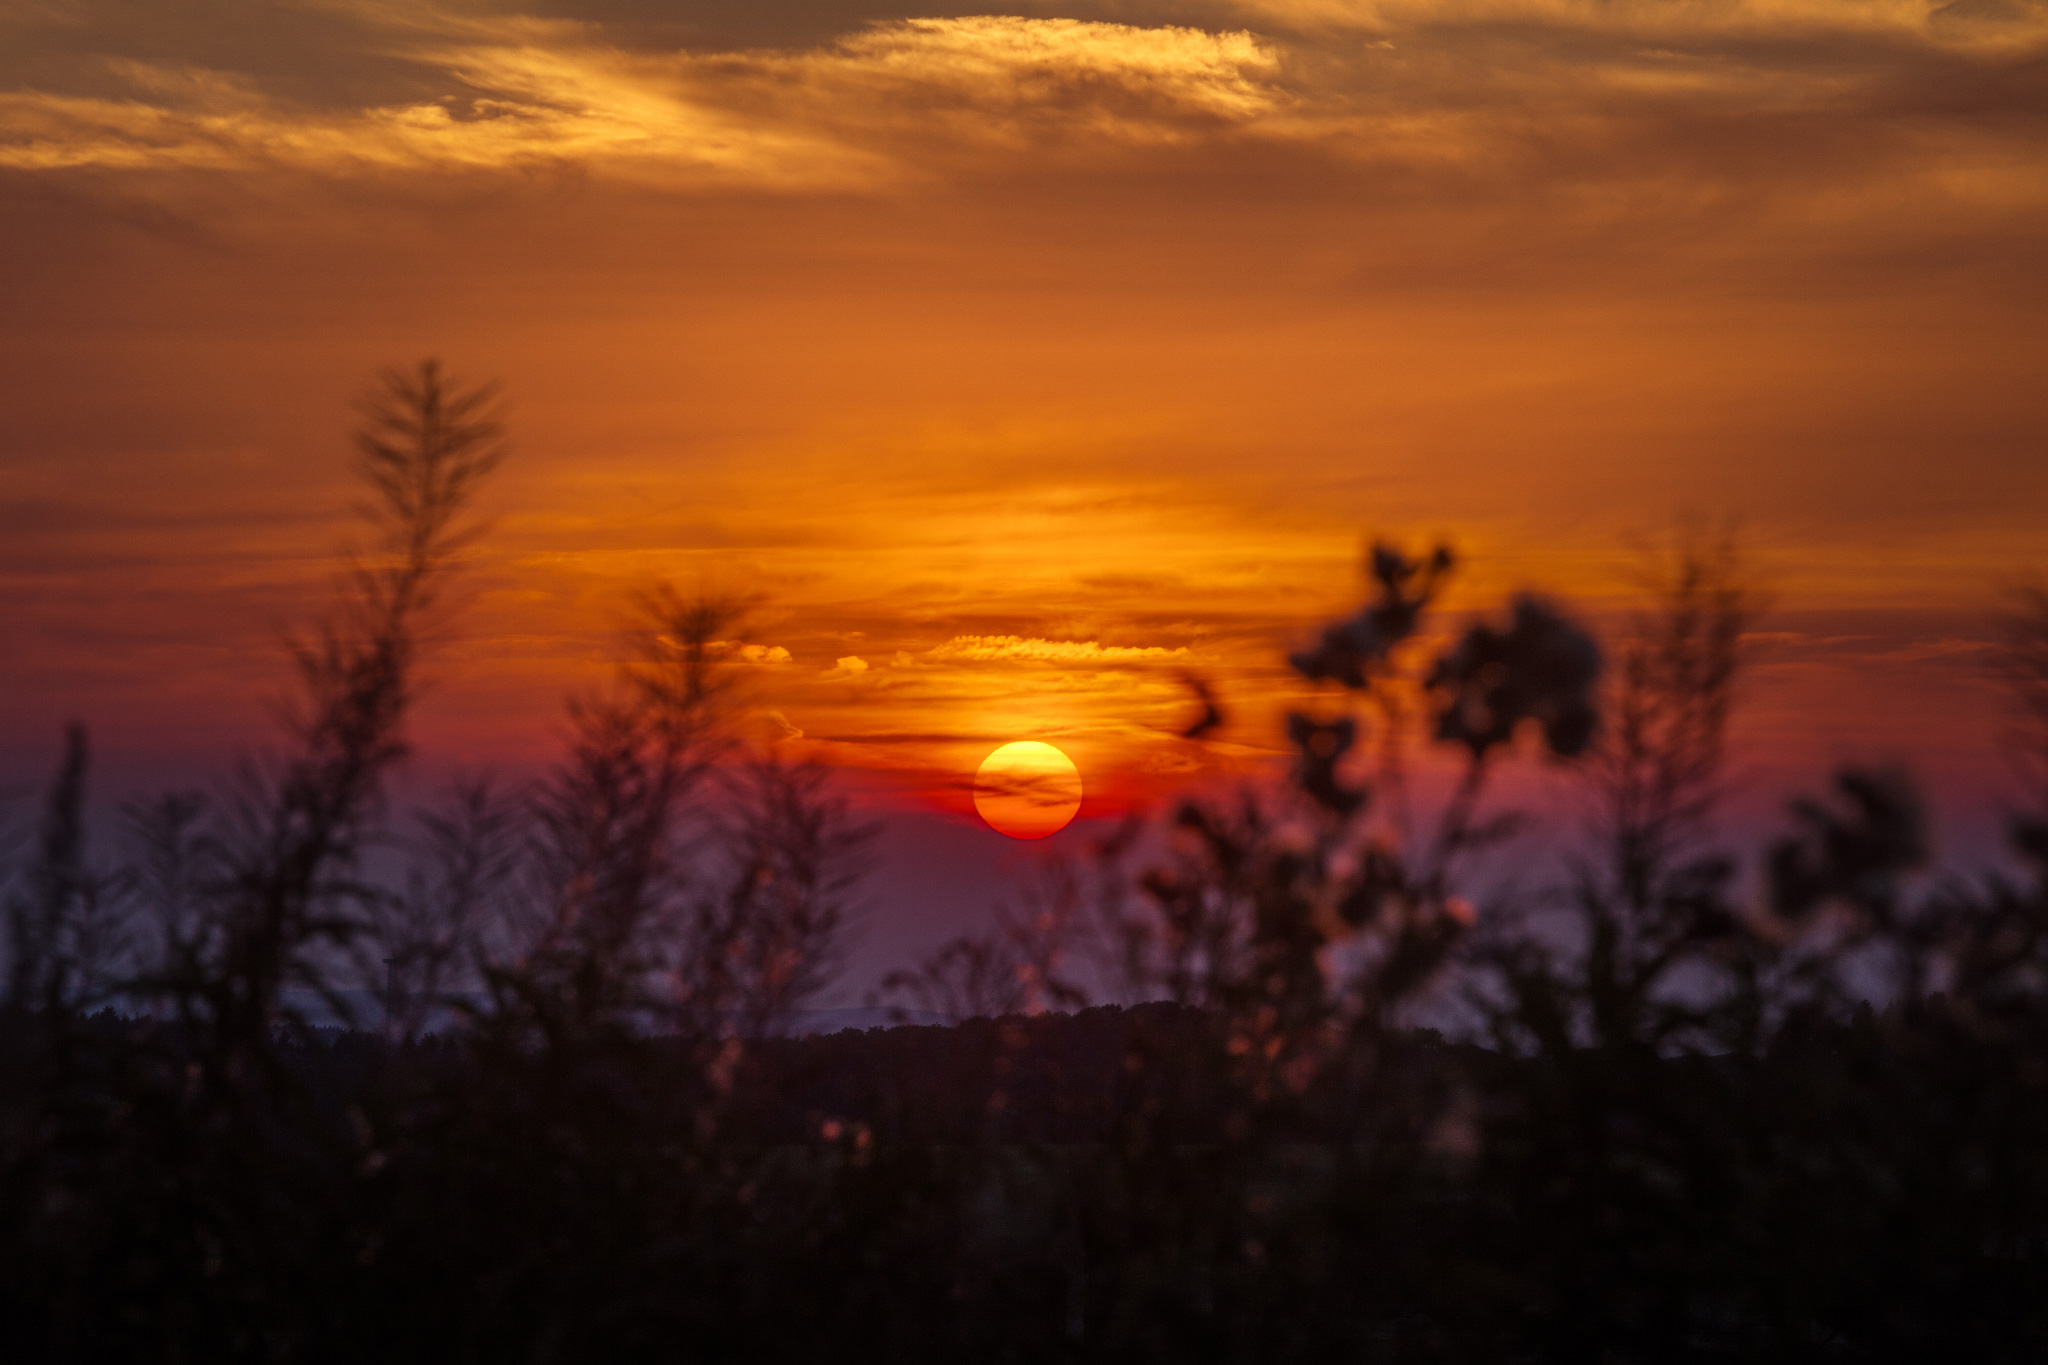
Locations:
(1696, 1106)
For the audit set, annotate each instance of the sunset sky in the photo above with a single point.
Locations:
(1021, 362)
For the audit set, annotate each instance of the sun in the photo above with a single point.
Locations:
(1027, 790)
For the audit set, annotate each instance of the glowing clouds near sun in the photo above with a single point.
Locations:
(1027, 790)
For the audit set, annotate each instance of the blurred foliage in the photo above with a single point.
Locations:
(1793, 1106)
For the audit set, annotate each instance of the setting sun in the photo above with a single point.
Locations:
(1027, 790)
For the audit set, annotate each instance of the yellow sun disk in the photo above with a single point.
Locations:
(1027, 790)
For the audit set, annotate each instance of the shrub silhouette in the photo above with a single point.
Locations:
(1701, 1107)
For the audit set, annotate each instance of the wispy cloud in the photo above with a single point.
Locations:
(1012, 648)
(518, 107)
(523, 92)
(1690, 103)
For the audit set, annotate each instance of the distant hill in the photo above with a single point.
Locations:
(813, 1023)
(366, 1009)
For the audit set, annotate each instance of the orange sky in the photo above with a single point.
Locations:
(1022, 362)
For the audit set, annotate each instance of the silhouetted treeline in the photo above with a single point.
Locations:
(1874, 1189)
(1698, 1102)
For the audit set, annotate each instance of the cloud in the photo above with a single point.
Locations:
(1013, 648)
(1944, 651)
(1959, 21)
(522, 92)
(1125, 81)
(852, 666)
(514, 107)
(1845, 135)
(1680, 99)
(761, 656)
(1052, 790)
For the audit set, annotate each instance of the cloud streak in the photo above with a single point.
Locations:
(525, 92)
(1692, 107)
(1012, 648)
